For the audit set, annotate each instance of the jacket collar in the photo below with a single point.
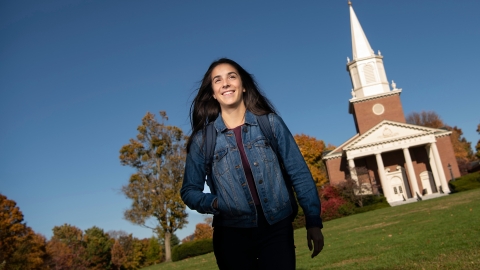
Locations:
(250, 119)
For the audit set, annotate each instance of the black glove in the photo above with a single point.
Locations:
(315, 235)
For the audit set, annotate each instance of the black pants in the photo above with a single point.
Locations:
(264, 247)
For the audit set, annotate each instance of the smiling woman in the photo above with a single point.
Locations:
(250, 199)
(228, 91)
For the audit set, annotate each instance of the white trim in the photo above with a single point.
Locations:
(425, 130)
(391, 93)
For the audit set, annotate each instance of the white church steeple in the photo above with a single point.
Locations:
(360, 46)
(366, 69)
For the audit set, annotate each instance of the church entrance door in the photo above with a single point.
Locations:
(397, 188)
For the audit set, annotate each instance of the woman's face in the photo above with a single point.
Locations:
(227, 86)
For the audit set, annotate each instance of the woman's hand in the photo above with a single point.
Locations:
(315, 235)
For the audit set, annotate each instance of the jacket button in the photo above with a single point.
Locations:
(237, 167)
(244, 184)
(271, 218)
(265, 200)
(249, 146)
(245, 129)
(255, 163)
(260, 182)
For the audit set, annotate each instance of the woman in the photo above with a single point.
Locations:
(249, 199)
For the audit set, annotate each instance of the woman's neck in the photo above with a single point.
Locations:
(234, 117)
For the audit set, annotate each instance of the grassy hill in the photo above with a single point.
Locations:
(442, 233)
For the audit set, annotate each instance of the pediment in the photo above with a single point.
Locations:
(387, 131)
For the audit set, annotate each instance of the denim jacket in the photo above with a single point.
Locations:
(235, 203)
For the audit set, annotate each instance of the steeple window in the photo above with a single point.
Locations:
(369, 74)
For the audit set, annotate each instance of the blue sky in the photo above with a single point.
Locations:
(76, 78)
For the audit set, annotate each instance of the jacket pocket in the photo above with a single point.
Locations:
(220, 163)
(264, 150)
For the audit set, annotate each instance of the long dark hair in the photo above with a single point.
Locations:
(205, 108)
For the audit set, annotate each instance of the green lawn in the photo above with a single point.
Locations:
(442, 233)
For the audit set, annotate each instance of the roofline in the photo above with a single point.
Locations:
(334, 154)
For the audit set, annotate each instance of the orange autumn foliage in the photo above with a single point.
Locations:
(312, 150)
(20, 246)
(203, 231)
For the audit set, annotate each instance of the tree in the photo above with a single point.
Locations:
(204, 230)
(134, 250)
(12, 228)
(97, 248)
(118, 255)
(20, 246)
(461, 147)
(66, 248)
(30, 252)
(355, 188)
(153, 254)
(312, 150)
(158, 156)
(426, 119)
(188, 238)
(478, 144)
(174, 241)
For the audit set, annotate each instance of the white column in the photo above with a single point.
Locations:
(440, 170)
(411, 172)
(383, 178)
(433, 166)
(353, 173)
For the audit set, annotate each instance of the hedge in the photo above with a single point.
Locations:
(192, 249)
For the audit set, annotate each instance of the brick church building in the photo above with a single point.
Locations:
(404, 162)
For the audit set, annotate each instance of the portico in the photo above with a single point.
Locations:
(388, 137)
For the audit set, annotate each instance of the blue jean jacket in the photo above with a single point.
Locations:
(235, 203)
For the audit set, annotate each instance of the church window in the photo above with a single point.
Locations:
(400, 189)
(369, 74)
(395, 190)
(378, 109)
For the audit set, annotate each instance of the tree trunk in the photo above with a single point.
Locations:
(168, 251)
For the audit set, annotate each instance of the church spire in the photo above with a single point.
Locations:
(366, 69)
(360, 46)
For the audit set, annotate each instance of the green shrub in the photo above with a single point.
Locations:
(375, 202)
(466, 182)
(373, 199)
(346, 209)
(192, 249)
